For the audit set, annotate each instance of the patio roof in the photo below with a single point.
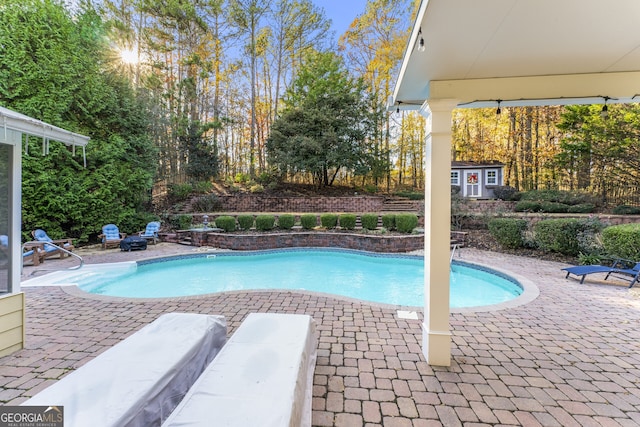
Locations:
(521, 52)
(19, 122)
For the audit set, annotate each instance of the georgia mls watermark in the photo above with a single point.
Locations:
(31, 416)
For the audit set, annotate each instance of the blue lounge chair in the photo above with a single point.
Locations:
(151, 232)
(32, 255)
(48, 250)
(617, 267)
(111, 236)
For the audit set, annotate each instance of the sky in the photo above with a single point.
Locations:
(341, 12)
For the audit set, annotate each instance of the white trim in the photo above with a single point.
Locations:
(478, 185)
(486, 177)
(457, 182)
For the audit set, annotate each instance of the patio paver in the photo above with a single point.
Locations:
(570, 357)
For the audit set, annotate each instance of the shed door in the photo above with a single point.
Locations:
(471, 187)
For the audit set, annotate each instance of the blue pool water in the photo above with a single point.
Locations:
(395, 280)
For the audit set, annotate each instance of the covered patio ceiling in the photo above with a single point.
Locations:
(522, 52)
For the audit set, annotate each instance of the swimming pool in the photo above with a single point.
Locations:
(388, 279)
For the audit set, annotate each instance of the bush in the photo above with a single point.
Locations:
(505, 192)
(557, 196)
(455, 189)
(329, 220)
(369, 221)
(308, 221)
(581, 208)
(347, 221)
(245, 221)
(265, 222)
(553, 207)
(226, 222)
(626, 210)
(509, 232)
(558, 235)
(411, 195)
(180, 192)
(527, 206)
(181, 222)
(206, 203)
(286, 221)
(389, 221)
(406, 222)
(202, 187)
(256, 188)
(622, 241)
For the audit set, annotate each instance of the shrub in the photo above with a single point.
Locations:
(406, 222)
(626, 210)
(505, 192)
(206, 203)
(553, 207)
(180, 192)
(509, 232)
(329, 220)
(455, 189)
(369, 221)
(372, 189)
(622, 241)
(581, 208)
(308, 221)
(411, 195)
(527, 206)
(245, 221)
(558, 235)
(226, 222)
(265, 222)
(347, 221)
(241, 178)
(389, 221)
(286, 221)
(256, 188)
(202, 187)
(558, 196)
(181, 222)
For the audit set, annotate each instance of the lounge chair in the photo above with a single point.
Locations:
(111, 236)
(618, 267)
(32, 255)
(151, 232)
(49, 250)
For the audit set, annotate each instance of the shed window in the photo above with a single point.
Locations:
(491, 177)
(455, 177)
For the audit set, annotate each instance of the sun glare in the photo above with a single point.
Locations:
(128, 56)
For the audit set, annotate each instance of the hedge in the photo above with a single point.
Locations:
(308, 221)
(369, 221)
(347, 221)
(389, 221)
(286, 221)
(406, 223)
(509, 232)
(329, 220)
(558, 235)
(265, 222)
(622, 241)
(226, 222)
(245, 222)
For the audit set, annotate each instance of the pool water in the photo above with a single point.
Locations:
(397, 280)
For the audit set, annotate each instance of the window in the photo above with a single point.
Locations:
(455, 177)
(491, 177)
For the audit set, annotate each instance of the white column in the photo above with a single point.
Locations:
(436, 334)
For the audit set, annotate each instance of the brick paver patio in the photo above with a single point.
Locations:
(569, 358)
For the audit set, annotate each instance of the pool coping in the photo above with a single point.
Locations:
(529, 290)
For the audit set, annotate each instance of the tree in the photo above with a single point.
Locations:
(325, 123)
(52, 67)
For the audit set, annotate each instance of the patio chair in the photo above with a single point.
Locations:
(616, 268)
(111, 236)
(49, 250)
(32, 255)
(151, 232)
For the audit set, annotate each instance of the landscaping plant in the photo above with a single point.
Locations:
(265, 222)
(369, 221)
(347, 221)
(508, 232)
(329, 220)
(245, 221)
(286, 221)
(308, 221)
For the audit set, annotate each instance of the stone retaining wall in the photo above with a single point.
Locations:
(252, 242)
(258, 203)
